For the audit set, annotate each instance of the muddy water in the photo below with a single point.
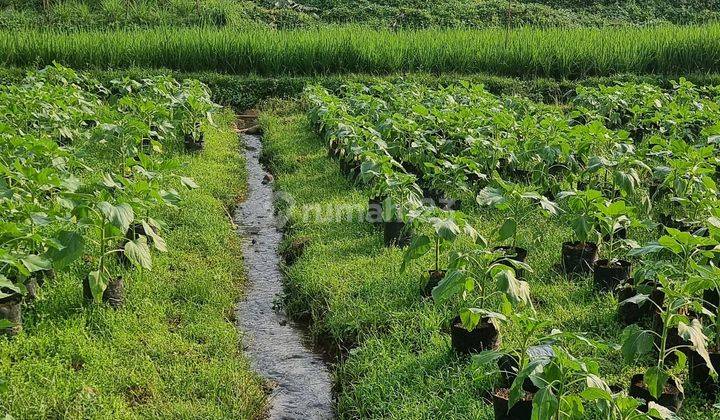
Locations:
(277, 347)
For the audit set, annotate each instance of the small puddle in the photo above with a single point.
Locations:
(278, 348)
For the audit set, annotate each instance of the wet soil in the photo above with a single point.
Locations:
(278, 348)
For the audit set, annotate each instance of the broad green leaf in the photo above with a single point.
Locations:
(120, 216)
(670, 243)
(157, 240)
(189, 183)
(490, 196)
(72, 247)
(694, 334)
(658, 411)
(447, 229)
(545, 404)
(138, 253)
(98, 284)
(452, 284)
(635, 342)
(419, 246)
(592, 394)
(655, 380)
(486, 358)
(507, 230)
(517, 290)
(35, 263)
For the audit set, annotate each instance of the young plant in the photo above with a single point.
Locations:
(445, 226)
(477, 276)
(109, 224)
(671, 360)
(516, 199)
(583, 213)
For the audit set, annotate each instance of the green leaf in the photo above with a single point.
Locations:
(545, 404)
(490, 196)
(419, 246)
(694, 334)
(189, 183)
(72, 247)
(470, 318)
(35, 263)
(138, 253)
(447, 229)
(9, 287)
(420, 110)
(635, 342)
(157, 240)
(486, 358)
(98, 284)
(582, 227)
(657, 411)
(452, 284)
(507, 230)
(670, 243)
(517, 290)
(655, 380)
(592, 394)
(119, 216)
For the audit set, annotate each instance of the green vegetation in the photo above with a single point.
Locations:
(609, 166)
(91, 177)
(87, 14)
(573, 53)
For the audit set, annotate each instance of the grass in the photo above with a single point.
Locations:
(400, 364)
(172, 351)
(557, 53)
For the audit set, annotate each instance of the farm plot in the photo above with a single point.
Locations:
(115, 268)
(584, 235)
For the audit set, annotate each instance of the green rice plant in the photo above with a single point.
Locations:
(351, 49)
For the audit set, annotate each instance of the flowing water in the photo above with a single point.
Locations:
(278, 347)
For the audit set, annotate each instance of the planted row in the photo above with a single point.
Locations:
(83, 170)
(421, 152)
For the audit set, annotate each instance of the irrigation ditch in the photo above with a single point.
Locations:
(279, 348)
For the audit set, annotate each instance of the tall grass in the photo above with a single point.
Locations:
(348, 49)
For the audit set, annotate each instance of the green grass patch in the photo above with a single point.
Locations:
(173, 350)
(400, 363)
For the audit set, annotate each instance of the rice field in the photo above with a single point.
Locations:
(558, 53)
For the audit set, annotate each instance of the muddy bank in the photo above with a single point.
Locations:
(277, 347)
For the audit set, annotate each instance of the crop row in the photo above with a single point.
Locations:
(630, 169)
(83, 169)
(349, 49)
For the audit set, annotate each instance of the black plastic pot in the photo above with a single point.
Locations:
(621, 233)
(134, 231)
(509, 368)
(700, 373)
(32, 287)
(578, 257)
(374, 213)
(608, 275)
(671, 398)
(434, 278)
(632, 313)
(711, 299)
(194, 145)
(396, 234)
(522, 409)
(485, 336)
(11, 310)
(114, 294)
(509, 254)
